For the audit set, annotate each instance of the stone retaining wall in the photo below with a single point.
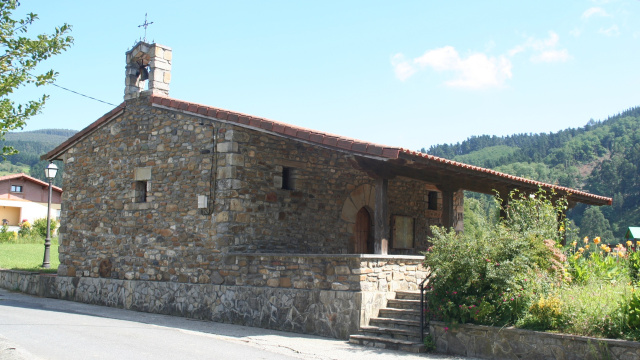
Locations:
(327, 295)
(488, 342)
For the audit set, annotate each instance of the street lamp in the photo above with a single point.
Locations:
(49, 172)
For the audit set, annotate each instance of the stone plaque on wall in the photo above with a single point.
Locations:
(403, 232)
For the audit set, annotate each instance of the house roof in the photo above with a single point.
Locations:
(632, 233)
(379, 159)
(29, 178)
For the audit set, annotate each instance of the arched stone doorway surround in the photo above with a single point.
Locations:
(361, 197)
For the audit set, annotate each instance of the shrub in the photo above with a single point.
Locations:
(491, 276)
(25, 228)
(7, 236)
(544, 314)
(40, 226)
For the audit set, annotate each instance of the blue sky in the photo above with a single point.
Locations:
(410, 73)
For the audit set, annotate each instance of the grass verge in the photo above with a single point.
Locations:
(28, 257)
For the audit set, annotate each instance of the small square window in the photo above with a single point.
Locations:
(141, 191)
(16, 188)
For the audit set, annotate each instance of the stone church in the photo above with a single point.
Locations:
(180, 208)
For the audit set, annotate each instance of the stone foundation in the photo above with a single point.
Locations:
(326, 295)
(488, 342)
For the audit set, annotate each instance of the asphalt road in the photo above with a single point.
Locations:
(40, 328)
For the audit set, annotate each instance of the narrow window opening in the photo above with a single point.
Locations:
(433, 200)
(141, 191)
(16, 188)
(288, 178)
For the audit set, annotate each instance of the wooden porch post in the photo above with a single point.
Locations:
(447, 208)
(381, 230)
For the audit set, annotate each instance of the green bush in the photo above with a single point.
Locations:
(491, 276)
(7, 236)
(25, 228)
(40, 226)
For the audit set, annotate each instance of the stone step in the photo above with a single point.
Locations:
(403, 304)
(387, 333)
(411, 325)
(405, 314)
(384, 343)
(408, 295)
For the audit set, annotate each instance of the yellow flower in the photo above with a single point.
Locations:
(596, 240)
(603, 247)
(574, 243)
(607, 249)
(629, 243)
(637, 243)
(586, 239)
(586, 247)
(581, 249)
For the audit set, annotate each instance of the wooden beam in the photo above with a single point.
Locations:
(381, 230)
(447, 208)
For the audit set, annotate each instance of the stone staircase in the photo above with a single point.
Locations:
(397, 326)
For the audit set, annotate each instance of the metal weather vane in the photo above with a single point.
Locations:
(145, 25)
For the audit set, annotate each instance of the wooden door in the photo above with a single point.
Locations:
(363, 231)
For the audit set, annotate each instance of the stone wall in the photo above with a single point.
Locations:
(488, 342)
(323, 295)
(171, 160)
(325, 272)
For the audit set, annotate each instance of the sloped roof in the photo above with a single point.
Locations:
(29, 178)
(632, 233)
(402, 161)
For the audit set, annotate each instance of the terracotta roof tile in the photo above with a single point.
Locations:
(222, 115)
(359, 146)
(315, 137)
(243, 119)
(279, 128)
(288, 130)
(321, 138)
(255, 122)
(303, 134)
(345, 144)
(330, 140)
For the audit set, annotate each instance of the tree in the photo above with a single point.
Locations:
(19, 57)
(595, 224)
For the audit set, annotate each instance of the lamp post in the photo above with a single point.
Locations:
(49, 172)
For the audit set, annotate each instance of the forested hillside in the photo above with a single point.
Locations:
(603, 157)
(31, 145)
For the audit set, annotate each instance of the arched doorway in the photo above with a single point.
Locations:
(364, 240)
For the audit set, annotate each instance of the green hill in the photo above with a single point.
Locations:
(603, 157)
(31, 145)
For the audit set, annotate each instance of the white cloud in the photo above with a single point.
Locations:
(576, 32)
(611, 31)
(477, 71)
(551, 56)
(594, 11)
(402, 68)
(544, 50)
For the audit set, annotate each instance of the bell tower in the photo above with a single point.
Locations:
(148, 70)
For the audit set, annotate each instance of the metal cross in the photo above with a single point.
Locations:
(145, 25)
